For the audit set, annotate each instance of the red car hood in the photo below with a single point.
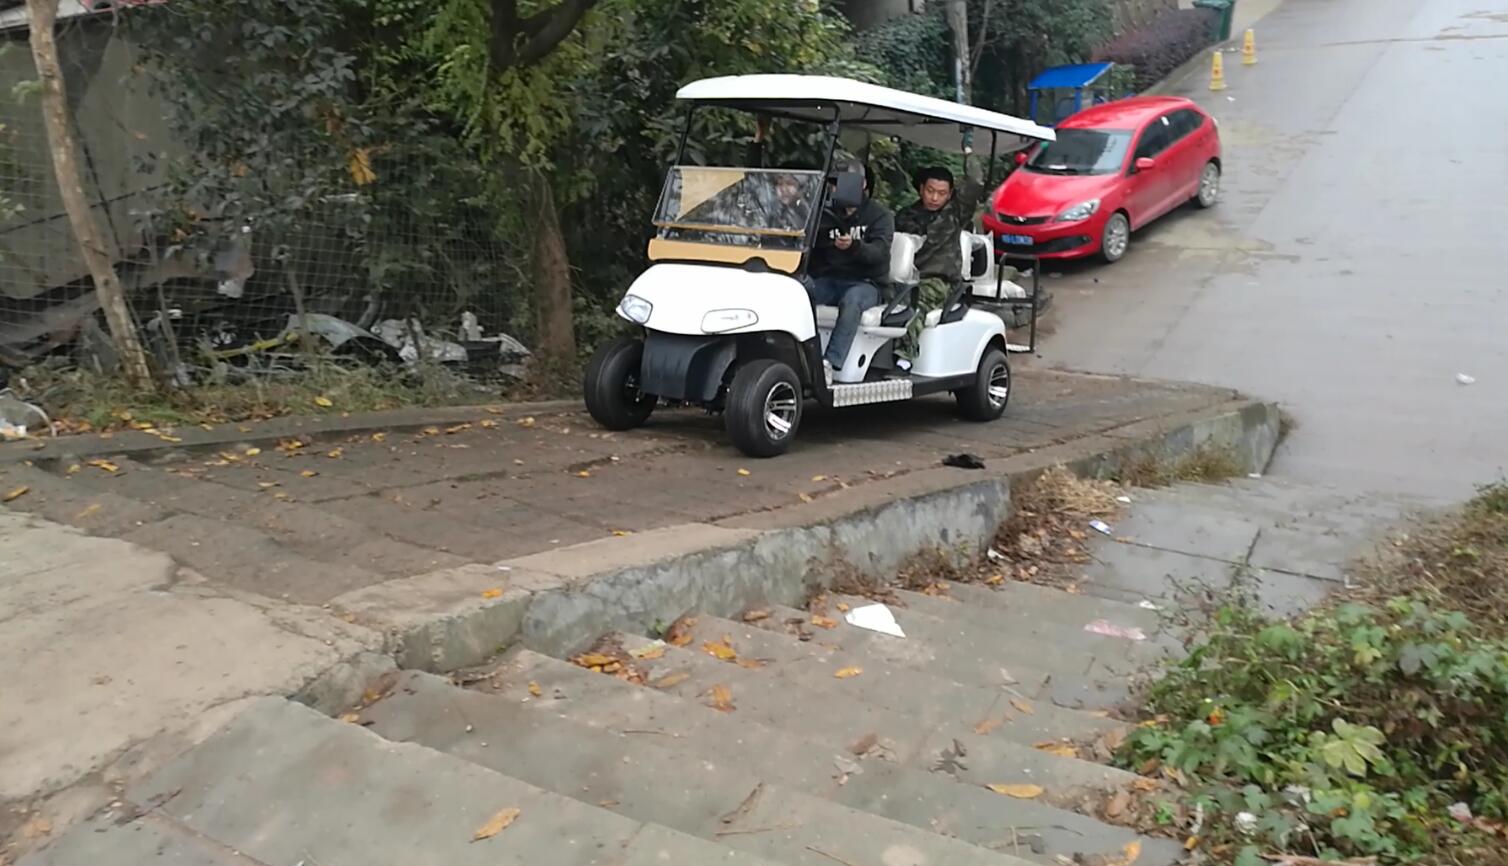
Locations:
(1029, 193)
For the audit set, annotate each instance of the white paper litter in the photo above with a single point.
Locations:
(994, 555)
(1464, 379)
(1101, 527)
(1148, 604)
(1253, 475)
(875, 617)
(1110, 629)
(1124, 500)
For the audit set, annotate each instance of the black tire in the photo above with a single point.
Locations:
(1115, 240)
(978, 402)
(765, 395)
(611, 385)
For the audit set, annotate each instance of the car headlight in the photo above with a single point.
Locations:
(635, 309)
(721, 321)
(1080, 211)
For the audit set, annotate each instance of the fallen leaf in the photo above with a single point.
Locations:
(1130, 851)
(87, 510)
(722, 699)
(378, 437)
(593, 660)
(267, 485)
(671, 680)
(334, 453)
(719, 650)
(73, 469)
(1191, 843)
(105, 465)
(252, 452)
(745, 472)
(823, 622)
(350, 718)
(497, 823)
(308, 473)
(1024, 706)
(526, 422)
(679, 633)
(15, 493)
(864, 744)
(650, 653)
(987, 725)
(36, 827)
(819, 477)
(750, 664)
(607, 804)
(848, 672)
(1020, 792)
(487, 422)
(842, 608)
(534, 689)
(1118, 804)
(757, 615)
(492, 593)
(584, 474)
(1142, 783)
(803, 497)
(622, 533)
(324, 402)
(1053, 747)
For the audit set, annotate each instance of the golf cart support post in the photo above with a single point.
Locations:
(726, 318)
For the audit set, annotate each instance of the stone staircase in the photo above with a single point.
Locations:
(765, 736)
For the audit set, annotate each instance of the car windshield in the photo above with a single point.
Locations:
(1082, 151)
(750, 207)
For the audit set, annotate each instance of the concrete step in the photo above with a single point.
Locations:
(933, 645)
(59, 499)
(810, 665)
(1075, 645)
(281, 784)
(311, 531)
(1016, 600)
(947, 800)
(723, 799)
(919, 736)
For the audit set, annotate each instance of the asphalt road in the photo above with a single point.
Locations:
(1355, 264)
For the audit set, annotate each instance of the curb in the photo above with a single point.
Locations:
(559, 601)
(127, 442)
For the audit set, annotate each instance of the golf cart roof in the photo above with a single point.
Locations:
(923, 120)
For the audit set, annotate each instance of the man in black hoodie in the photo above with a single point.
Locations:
(849, 264)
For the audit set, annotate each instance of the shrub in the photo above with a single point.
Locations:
(1368, 730)
(1164, 44)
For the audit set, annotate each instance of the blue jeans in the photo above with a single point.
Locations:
(851, 297)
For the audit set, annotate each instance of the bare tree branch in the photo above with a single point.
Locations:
(983, 40)
(521, 42)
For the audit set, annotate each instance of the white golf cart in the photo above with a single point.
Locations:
(727, 322)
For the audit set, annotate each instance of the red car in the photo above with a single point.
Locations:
(1114, 168)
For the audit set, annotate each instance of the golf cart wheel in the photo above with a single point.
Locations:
(612, 385)
(986, 398)
(763, 408)
(1116, 238)
(1209, 185)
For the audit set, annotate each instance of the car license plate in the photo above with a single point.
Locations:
(1017, 240)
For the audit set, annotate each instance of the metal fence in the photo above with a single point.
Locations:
(396, 267)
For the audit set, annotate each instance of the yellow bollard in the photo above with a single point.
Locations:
(1217, 73)
(1249, 49)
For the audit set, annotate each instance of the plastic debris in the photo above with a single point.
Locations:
(1109, 629)
(1148, 604)
(875, 617)
(994, 555)
(1253, 475)
(1124, 500)
(1460, 811)
(17, 416)
(1246, 823)
(1101, 527)
(1464, 379)
(963, 461)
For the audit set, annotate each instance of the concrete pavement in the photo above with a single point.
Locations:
(1351, 271)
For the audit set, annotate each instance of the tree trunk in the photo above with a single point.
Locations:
(63, 142)
(963, 69)
(554, 336)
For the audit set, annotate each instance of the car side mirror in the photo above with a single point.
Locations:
(1020, 157)
(1145, 163)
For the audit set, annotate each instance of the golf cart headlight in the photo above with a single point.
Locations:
(720, 321)
(1081, 211)
(635, 309)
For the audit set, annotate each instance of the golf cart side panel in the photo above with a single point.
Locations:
(682, 296)
(955, 349)
(684, 366)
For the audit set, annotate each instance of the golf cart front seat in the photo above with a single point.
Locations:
(903, 277)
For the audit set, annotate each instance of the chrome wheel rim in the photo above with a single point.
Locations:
(1117, 236)
(780, 410)
(1209, 185)
(999, 387)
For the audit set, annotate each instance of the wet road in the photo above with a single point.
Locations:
(1355, 264)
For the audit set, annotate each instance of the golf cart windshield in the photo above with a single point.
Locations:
(748, 207)
(1082, 151)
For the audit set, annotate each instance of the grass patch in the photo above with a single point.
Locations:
(1374, 729)
(1204, 464)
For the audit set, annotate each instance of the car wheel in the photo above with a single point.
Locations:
(1116, 238)
(1209, 185)
(764, 408)
(986, 398)
(611, 385)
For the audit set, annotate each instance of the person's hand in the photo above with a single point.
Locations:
(843, 242)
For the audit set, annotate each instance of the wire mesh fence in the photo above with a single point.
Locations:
(393, 259)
